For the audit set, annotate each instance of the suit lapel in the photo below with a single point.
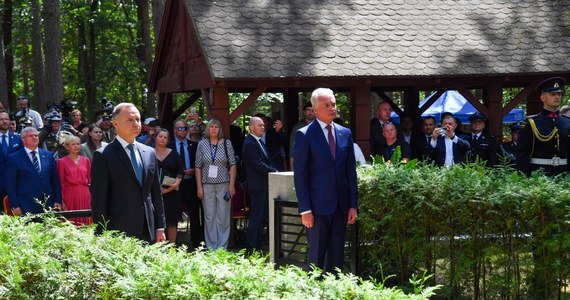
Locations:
(262, 151)
(44, 160)
(319, 136)
(123, 158)
(144, 161)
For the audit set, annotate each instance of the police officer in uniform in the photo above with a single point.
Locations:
(543, 140)
(483, 145)
(23, 122)
(104, 122)
(51, 135)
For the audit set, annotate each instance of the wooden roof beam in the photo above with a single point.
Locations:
(431, 101)
(518, 98)
(247, 103)
(478, 105)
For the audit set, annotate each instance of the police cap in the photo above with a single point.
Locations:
(551, 85)
(516, 127)
(477, 116)
(52, 116)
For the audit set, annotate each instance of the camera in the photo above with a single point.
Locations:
(227, 196)
(441, 130)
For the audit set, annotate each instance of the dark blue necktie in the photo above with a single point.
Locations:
(136, 165)
(183, 156)
(35, 161)
(332, 144)
(4, 144)
(264, 149)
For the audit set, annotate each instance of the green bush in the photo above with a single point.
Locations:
(481, 233)
(55, 260)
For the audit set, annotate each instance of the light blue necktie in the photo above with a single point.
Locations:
(136, 165)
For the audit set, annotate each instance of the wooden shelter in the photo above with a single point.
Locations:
(212, 48)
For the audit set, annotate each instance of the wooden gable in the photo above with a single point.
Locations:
(180, 64)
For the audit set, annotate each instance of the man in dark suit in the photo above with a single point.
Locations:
(9, 143)
(449, 148)
(425, 150)
(325, 182)
(377, 140)
(186, 149)
(32, 177)
(257, 167)
(125, 192)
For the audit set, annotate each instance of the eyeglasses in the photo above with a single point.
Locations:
(181, 128)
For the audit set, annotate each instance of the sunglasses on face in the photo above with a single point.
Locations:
(181, 128)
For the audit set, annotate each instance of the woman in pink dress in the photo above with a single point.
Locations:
(74, 173)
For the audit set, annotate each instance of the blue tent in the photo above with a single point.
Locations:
(455, 103)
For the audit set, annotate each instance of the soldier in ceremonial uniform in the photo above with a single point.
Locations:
(483, 145)
(543, 140)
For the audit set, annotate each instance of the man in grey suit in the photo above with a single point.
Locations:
(125, 189)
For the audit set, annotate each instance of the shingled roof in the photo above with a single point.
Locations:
(330, 38)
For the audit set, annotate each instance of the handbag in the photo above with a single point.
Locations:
(168, 181)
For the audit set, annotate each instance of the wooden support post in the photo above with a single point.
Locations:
(165, 104)
(493, 97)
(360, 117)
(220, 108)
(292, 108)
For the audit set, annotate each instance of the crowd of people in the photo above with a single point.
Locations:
(540, 142)
(47, 164)
(139, 178)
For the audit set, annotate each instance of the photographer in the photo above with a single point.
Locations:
(25, 110)
(448, 147)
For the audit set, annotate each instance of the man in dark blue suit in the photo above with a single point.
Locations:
(9, 143)
(32, 182)
(425, 150)
(449, 148)
(186, 149)
(325, 182)
(125, 190)
(257, 166)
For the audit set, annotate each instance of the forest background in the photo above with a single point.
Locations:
(78, 50)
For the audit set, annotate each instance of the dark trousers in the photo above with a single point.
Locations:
(258, 213)
(2, 195)
(326, 241)
(195, 212)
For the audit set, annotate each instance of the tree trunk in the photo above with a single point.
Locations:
(87, 61)
(3, 85)
(144, 52)
(52, 51)
(157, 12)
(26, 62)
(8, 53)
(37, 59)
